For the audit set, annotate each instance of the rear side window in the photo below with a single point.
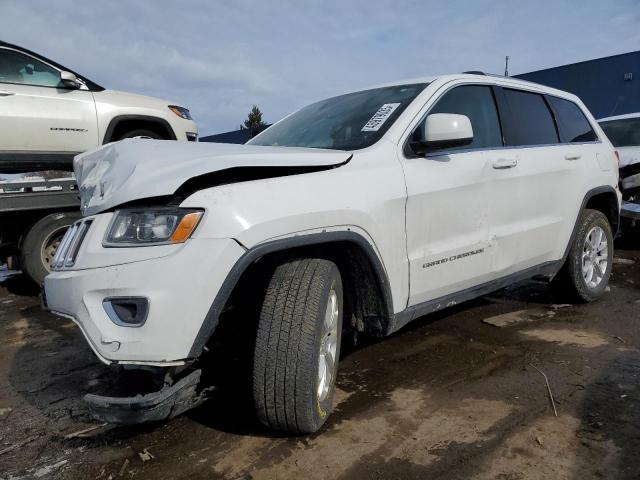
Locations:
(573, 125)
(477, 103)
(532, 122)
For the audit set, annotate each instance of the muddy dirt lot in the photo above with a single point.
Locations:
(454, 395)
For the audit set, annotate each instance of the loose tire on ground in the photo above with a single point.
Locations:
(302, 298)
(573, 279)
(40, 243)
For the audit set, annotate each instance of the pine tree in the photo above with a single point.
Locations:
(254, 122)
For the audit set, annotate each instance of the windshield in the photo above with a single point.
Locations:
(624, 132)
(347, 122)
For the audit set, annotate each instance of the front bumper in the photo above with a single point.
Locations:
(179, 286)
(630, 210)
(164, 404)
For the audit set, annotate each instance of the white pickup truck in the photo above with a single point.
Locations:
(49, 114)
(361, 212)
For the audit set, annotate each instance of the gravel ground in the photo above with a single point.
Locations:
(458, 394)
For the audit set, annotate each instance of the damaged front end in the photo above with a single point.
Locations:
(177, 395)
(630, 187)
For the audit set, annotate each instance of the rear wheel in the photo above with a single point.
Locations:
(587, 268)
(298, 345)
(42, 241)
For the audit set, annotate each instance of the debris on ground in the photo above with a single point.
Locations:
(620, 339)
(558, 306)
(5, 412)
(540, 442)
(553, 403)
(124, 467)
(145, 455)
(85, 432)
(47, 470)
(623, 261)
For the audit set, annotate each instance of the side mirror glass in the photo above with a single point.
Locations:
(443, 130)
(69, 80)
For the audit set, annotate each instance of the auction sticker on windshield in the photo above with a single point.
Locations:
(384, 112)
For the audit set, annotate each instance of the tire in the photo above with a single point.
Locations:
(570, 280)
(41, 242)
(291, 333)
(140, 133)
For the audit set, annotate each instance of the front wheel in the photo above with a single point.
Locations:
(587, 268)
(298, 345)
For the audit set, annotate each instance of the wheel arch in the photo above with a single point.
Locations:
(121, 123)
(603, 198)
(369, 306)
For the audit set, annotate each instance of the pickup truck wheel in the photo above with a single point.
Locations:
(140, 133)
(298, 345)
(587, 268)
(41, 242)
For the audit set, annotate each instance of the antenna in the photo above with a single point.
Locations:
(506, 66)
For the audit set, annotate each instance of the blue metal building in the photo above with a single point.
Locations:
(608, 86)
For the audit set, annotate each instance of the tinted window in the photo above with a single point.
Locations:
(348, 122)
(18, 68)
(477, 103)
(573, 125)
(624, 132)
(531, 120)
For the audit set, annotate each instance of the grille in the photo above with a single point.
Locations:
(70, 245)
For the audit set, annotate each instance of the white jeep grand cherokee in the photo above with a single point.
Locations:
(49, 114)
(361, 212)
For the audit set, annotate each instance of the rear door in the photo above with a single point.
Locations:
(532, 197)
(41, 121)
(447, 224)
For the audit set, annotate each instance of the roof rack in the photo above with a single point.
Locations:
(474, 72)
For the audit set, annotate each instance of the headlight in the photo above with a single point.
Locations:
(181, 112)
(138, 228)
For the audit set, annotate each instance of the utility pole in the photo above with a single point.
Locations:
(506, 66)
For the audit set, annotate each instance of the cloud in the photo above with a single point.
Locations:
(219, 58)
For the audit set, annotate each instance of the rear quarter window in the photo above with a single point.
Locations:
(572, 123)
(531, 120)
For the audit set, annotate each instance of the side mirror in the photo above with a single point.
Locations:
(69, 80)
(443, 130)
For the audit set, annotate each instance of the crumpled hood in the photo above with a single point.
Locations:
(629, 155)
(135, 169)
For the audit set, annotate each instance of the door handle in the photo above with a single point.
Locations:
(4, 93)
(502, 163)
(573, 156)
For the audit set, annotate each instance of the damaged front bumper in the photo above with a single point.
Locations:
(169, 402)
(630, 210)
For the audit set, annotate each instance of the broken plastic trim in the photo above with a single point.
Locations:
(164, 404)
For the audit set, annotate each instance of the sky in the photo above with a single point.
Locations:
(219, 58)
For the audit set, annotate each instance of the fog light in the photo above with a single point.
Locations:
(127, 311)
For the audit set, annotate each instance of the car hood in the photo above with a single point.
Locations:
(135, 169)
(629, 156)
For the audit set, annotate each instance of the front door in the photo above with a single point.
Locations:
(447, 223)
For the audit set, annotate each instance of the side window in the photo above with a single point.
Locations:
(18, 68)
(477, 103)
(573, 125)
(532, 122)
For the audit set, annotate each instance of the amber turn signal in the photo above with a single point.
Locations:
(186, 227)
